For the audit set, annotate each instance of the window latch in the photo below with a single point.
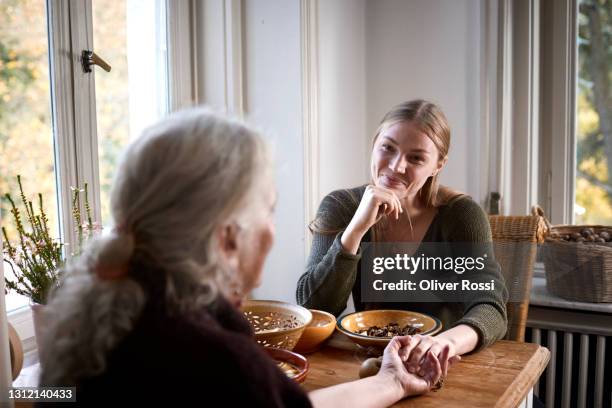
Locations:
(89, 58)
(494, 199)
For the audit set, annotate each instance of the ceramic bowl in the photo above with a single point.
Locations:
(320, 328)
(276, 324)
(294, 365)
(352, 324)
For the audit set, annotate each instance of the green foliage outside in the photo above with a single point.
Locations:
(594, 110)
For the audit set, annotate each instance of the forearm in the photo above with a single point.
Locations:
(488, 320)
(463, 338)
(351, 238)
(376, 391)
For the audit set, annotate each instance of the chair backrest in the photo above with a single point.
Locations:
(515, 240)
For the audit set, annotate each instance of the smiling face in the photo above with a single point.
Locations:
(403, 158)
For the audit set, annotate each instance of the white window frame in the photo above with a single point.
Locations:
(558, 175)
(513, 89)
(74, 109)
(5, 366)
(535, 114)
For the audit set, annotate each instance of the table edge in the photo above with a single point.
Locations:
(538, 362)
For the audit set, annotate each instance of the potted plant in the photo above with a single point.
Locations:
(35, 257)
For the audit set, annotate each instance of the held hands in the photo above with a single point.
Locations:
(419, 346)
(396, 356)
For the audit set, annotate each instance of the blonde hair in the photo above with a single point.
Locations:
(175, 185)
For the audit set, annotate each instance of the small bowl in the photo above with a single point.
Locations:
(320, 328)
(276, 324)
(297, 362)
(359, 321)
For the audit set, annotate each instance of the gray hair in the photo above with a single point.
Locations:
(175, 185)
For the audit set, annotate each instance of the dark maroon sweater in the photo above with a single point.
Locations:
(210, 359)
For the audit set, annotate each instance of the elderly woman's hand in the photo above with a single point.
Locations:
(393, 366)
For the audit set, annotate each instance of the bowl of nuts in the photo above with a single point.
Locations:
(377, 327)
(583, 234)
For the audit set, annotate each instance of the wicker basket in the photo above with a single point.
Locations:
(276, 324)
(579, 271)
(515, 240)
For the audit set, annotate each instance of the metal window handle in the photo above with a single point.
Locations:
(89, 58)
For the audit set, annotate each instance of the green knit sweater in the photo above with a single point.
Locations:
(332, 273)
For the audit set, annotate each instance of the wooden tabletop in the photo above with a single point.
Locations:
(499, 376)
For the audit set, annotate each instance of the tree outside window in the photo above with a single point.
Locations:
(593, 201)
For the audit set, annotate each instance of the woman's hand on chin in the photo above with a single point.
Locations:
(376, 202)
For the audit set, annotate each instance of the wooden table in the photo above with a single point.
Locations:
(499, 376)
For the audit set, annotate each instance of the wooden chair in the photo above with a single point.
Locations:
(515, 240)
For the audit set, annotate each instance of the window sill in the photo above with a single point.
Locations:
(541, 297)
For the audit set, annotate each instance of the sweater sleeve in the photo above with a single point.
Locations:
(486, 311)
(330, 272)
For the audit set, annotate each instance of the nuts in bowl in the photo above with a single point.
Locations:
(377, 327)
(276, 324)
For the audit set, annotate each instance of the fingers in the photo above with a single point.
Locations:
(387, 200)
(424, 344)
(393, 352)
(397, 204)
(436, 350)
(443, 358)
(393, 346)
(398, 207)
(434, 369)
(392, 204)
(407, 345)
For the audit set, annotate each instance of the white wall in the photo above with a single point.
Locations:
(273, 100)
(343, 132)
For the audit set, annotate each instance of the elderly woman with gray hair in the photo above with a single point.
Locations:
(150, 312)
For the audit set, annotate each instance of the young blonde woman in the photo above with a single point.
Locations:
(150, 313)
(404, 203)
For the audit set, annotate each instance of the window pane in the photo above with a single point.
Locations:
(593, 202)
(26, 138)
(131, 36)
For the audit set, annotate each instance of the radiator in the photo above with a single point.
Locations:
(579, 373)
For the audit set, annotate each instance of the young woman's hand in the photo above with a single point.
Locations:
(420, 346)
(393, 367)
(376, 202)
